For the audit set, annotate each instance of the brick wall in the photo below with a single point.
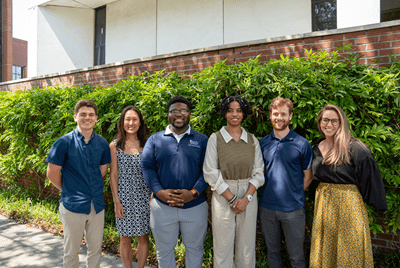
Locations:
(374, 42)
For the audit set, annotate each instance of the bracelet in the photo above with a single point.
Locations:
(232, 200)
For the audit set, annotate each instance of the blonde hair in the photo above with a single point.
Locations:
(339, 153)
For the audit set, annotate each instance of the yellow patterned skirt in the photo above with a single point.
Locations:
(340, 232)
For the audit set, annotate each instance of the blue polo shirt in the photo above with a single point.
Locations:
(81, 176)
(285, 161)
(169, 164)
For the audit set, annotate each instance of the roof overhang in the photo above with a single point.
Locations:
(91, 4)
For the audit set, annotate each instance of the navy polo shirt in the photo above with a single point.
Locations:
(285, 161)
(169, 164)
(81, 176)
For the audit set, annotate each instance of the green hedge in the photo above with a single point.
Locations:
(30, 121)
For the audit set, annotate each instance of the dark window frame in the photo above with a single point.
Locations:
(17, 72)
(324, 15)
(100, 36)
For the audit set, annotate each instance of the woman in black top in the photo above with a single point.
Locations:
(348, 176)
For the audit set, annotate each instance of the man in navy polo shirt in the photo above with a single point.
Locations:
(77, 163)
(172, 165)
(288, 158)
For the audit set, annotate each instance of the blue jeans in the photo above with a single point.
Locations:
(293, 225)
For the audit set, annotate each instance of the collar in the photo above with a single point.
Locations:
(169, 132)
(227, 137)
(80, 136)
(289, 136)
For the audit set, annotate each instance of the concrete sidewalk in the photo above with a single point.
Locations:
(29, 247)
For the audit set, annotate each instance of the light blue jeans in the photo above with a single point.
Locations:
(293, 225)
(166, 222)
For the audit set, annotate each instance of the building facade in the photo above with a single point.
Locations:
(71, 35)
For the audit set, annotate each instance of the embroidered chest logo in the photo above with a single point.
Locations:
(193, 143)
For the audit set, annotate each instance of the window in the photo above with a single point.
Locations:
(17, 72)
(390, 10)
(324, 15)
(100, 36)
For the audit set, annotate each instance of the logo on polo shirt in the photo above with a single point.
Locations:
(194, 143)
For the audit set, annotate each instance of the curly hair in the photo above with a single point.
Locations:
(244, 105)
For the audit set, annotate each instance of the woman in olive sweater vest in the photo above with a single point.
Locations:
(233, 167)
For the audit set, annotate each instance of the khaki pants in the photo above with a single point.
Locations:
(234, 234)
(75, 226)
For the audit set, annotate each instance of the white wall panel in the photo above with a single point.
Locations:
(351, 13)
(65, 39)
(184, 25)
(258, 19)
(130, 30)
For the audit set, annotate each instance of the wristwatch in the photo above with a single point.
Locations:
(249, 197)
(195, 193)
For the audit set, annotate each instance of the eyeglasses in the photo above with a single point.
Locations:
(183, 111)
(334, 122)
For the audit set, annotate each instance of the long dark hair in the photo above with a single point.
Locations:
(244, 105)
(121, 135)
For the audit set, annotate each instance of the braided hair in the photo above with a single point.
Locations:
(244, 105)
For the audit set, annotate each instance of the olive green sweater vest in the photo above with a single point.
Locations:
(235, 158)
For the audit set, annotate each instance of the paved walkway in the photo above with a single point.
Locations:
(29, 247)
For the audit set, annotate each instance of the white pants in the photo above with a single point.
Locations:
(75, 226)
(232, 233)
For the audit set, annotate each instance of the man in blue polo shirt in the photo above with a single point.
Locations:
(77, 163)
(288, 159)
(172, 165)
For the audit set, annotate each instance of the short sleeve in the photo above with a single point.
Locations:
(106, 157)
(307, 156)
(58, 152)
(369, 178)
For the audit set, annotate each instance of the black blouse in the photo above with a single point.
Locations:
(363, 171)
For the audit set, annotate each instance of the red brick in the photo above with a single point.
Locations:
(197, 66)
(358, 48)
(367, 40)
(297, 54)
(294, 42)
(382, 60)
(379, 31)
(323, 45)
(189, 72)
(211, 53)
(340, 43)
(378, 46)
(258, 47)
(390, 37)
(191, 61)
(226, 51)
(333, 37)
(265, 51)
(283, 50)
(355, 35)
(203, 60)
(396, 44)
(361, 61)
(312, 40)
(182, 68)
(389, 237)
(241, 60)
(240, 49)
(373, 53)
(302, 48)
(275, 45)
(262, 58)
(395, 29)
(232, 56)
(165, 65)
(176, 63)
(249, 54)
(197, 56)
(229, 62)
(384, 52)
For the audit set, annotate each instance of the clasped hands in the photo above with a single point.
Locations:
(240, 205)
(175, 198)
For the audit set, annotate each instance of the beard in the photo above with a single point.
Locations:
(282, 126)
(184, 124)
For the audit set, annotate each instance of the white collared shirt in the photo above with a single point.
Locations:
(212, 174)
(177, 137)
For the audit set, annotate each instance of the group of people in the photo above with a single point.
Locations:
(177, 164)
